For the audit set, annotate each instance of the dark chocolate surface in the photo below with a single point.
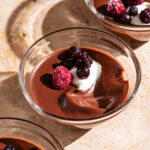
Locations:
(109, 93)
(19, 144)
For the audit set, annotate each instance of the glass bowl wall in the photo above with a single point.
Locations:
(141, 33)
(81, 37)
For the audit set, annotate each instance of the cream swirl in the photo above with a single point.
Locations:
(88, 83)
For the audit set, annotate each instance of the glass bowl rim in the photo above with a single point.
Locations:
(107, 20)
(35, 125)
(43, 112)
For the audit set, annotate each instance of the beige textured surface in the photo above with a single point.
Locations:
(24, 21)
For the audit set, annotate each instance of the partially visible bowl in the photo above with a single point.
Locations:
(141, 33)
(15, 128)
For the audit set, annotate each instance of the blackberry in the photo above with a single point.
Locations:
(69, 63)
(78, 55)
(83, 59)
(125, 18)
(78, 62)
(87, 61)
(90, 59)
(83, 72)
(133, 11)
(145, 15)
(82, 54)
(134, 2)
(73, 51)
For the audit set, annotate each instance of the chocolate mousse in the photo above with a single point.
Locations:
(17, 144)
(131, 12)
(99, 88)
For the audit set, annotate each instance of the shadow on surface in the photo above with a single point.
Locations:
(15, 39)
(69, 13)
(13, 104)
(63, 15)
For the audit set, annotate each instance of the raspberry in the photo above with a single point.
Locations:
(115, 7)
(145, 15)
(61, 77)
(134, 2)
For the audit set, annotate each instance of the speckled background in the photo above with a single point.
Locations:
(24, 21)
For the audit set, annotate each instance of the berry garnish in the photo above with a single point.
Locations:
(9, 147)
(115, 7)
(133, 11)
(33, 148)
(79, 62)
(145, 15)
(73, 51)
(83, 72)
(61, 77)
(125, 18)
(82, 55)
(78, 55)
(87, 61)
(83, 59)
(90, 59)
(69, 63)
(134, 2)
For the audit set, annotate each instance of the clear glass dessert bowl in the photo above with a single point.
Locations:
(140, 33)
(80, 37)
(20, 129)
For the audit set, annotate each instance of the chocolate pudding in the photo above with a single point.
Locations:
(110, 90)
(125, 13)
(17, 144)
(101, 6)
(103, 3)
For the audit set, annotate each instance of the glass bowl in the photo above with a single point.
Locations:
(80, 37)
(141, 33)
(16, 128)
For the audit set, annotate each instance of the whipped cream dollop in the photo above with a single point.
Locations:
(136, 19)
(88, 83)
